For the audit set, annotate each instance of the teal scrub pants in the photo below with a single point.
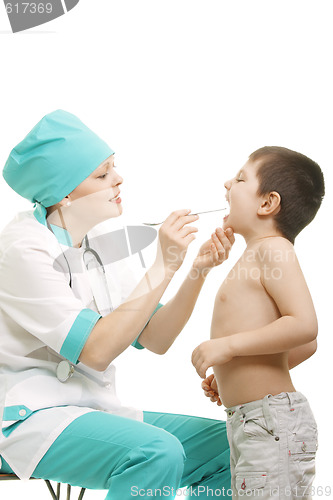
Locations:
(144, 460)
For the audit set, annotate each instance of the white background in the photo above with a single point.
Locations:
(184, 91)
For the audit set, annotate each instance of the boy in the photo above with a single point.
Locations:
(264, 323)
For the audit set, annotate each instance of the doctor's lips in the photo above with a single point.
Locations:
(25, 15)
(116, 199)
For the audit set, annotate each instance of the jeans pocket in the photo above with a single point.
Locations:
(255, 427)
(302, 454)
(249, 483)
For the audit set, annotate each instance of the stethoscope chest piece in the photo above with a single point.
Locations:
(64, 371)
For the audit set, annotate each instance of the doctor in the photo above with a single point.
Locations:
(61, 418)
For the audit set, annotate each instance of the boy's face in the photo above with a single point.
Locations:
(243, 200)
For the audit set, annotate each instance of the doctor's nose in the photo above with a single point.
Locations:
(116, 180)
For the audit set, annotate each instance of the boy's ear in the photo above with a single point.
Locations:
(271, 204)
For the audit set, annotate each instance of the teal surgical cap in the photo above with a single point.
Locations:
(54, 158)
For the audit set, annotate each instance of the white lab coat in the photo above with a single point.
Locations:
(42, 322)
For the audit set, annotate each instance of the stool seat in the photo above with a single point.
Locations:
(54, 495)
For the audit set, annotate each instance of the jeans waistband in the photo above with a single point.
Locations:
(284, 398)
(279, 399)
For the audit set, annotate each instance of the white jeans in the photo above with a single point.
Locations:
(273, 445)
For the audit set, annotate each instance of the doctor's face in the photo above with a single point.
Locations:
(97, 197)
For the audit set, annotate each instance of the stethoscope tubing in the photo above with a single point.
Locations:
(65, 370)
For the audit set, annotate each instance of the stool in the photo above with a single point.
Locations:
(55, 496)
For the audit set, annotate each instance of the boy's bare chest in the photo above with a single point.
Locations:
(243, 279)
(242, 302)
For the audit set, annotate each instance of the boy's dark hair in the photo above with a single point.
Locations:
(299, 182)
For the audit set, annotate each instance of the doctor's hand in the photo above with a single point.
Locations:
(209, 386)
(214, 251)
(174, 237)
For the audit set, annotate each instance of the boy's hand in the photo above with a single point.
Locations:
(215, 250)
(210, 353)
(210, 389)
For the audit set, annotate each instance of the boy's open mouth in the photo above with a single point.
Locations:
(227, 211)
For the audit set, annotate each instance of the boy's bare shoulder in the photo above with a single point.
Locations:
(275, 249)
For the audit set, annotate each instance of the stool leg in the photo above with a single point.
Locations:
(56, 496)
(51, 490)
(81, 493)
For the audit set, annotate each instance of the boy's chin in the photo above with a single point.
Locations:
(226, 224)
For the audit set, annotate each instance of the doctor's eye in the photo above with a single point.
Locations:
(103, 176)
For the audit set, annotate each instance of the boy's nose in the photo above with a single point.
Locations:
(227, 184)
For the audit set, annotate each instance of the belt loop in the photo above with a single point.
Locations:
(267, 414)
(290, 397)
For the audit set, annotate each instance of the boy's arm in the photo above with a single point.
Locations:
(283, 280)
(299, 354)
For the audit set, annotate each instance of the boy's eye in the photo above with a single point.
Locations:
(239, 180)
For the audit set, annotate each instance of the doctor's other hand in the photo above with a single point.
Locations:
(209, 386)
(174, 237)
(210, 353)
(215, 250)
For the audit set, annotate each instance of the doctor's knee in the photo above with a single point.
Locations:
(167, 451)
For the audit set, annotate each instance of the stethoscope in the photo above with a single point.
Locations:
(92, 260)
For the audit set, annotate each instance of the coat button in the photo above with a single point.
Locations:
(277, 438)
(22, 413)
